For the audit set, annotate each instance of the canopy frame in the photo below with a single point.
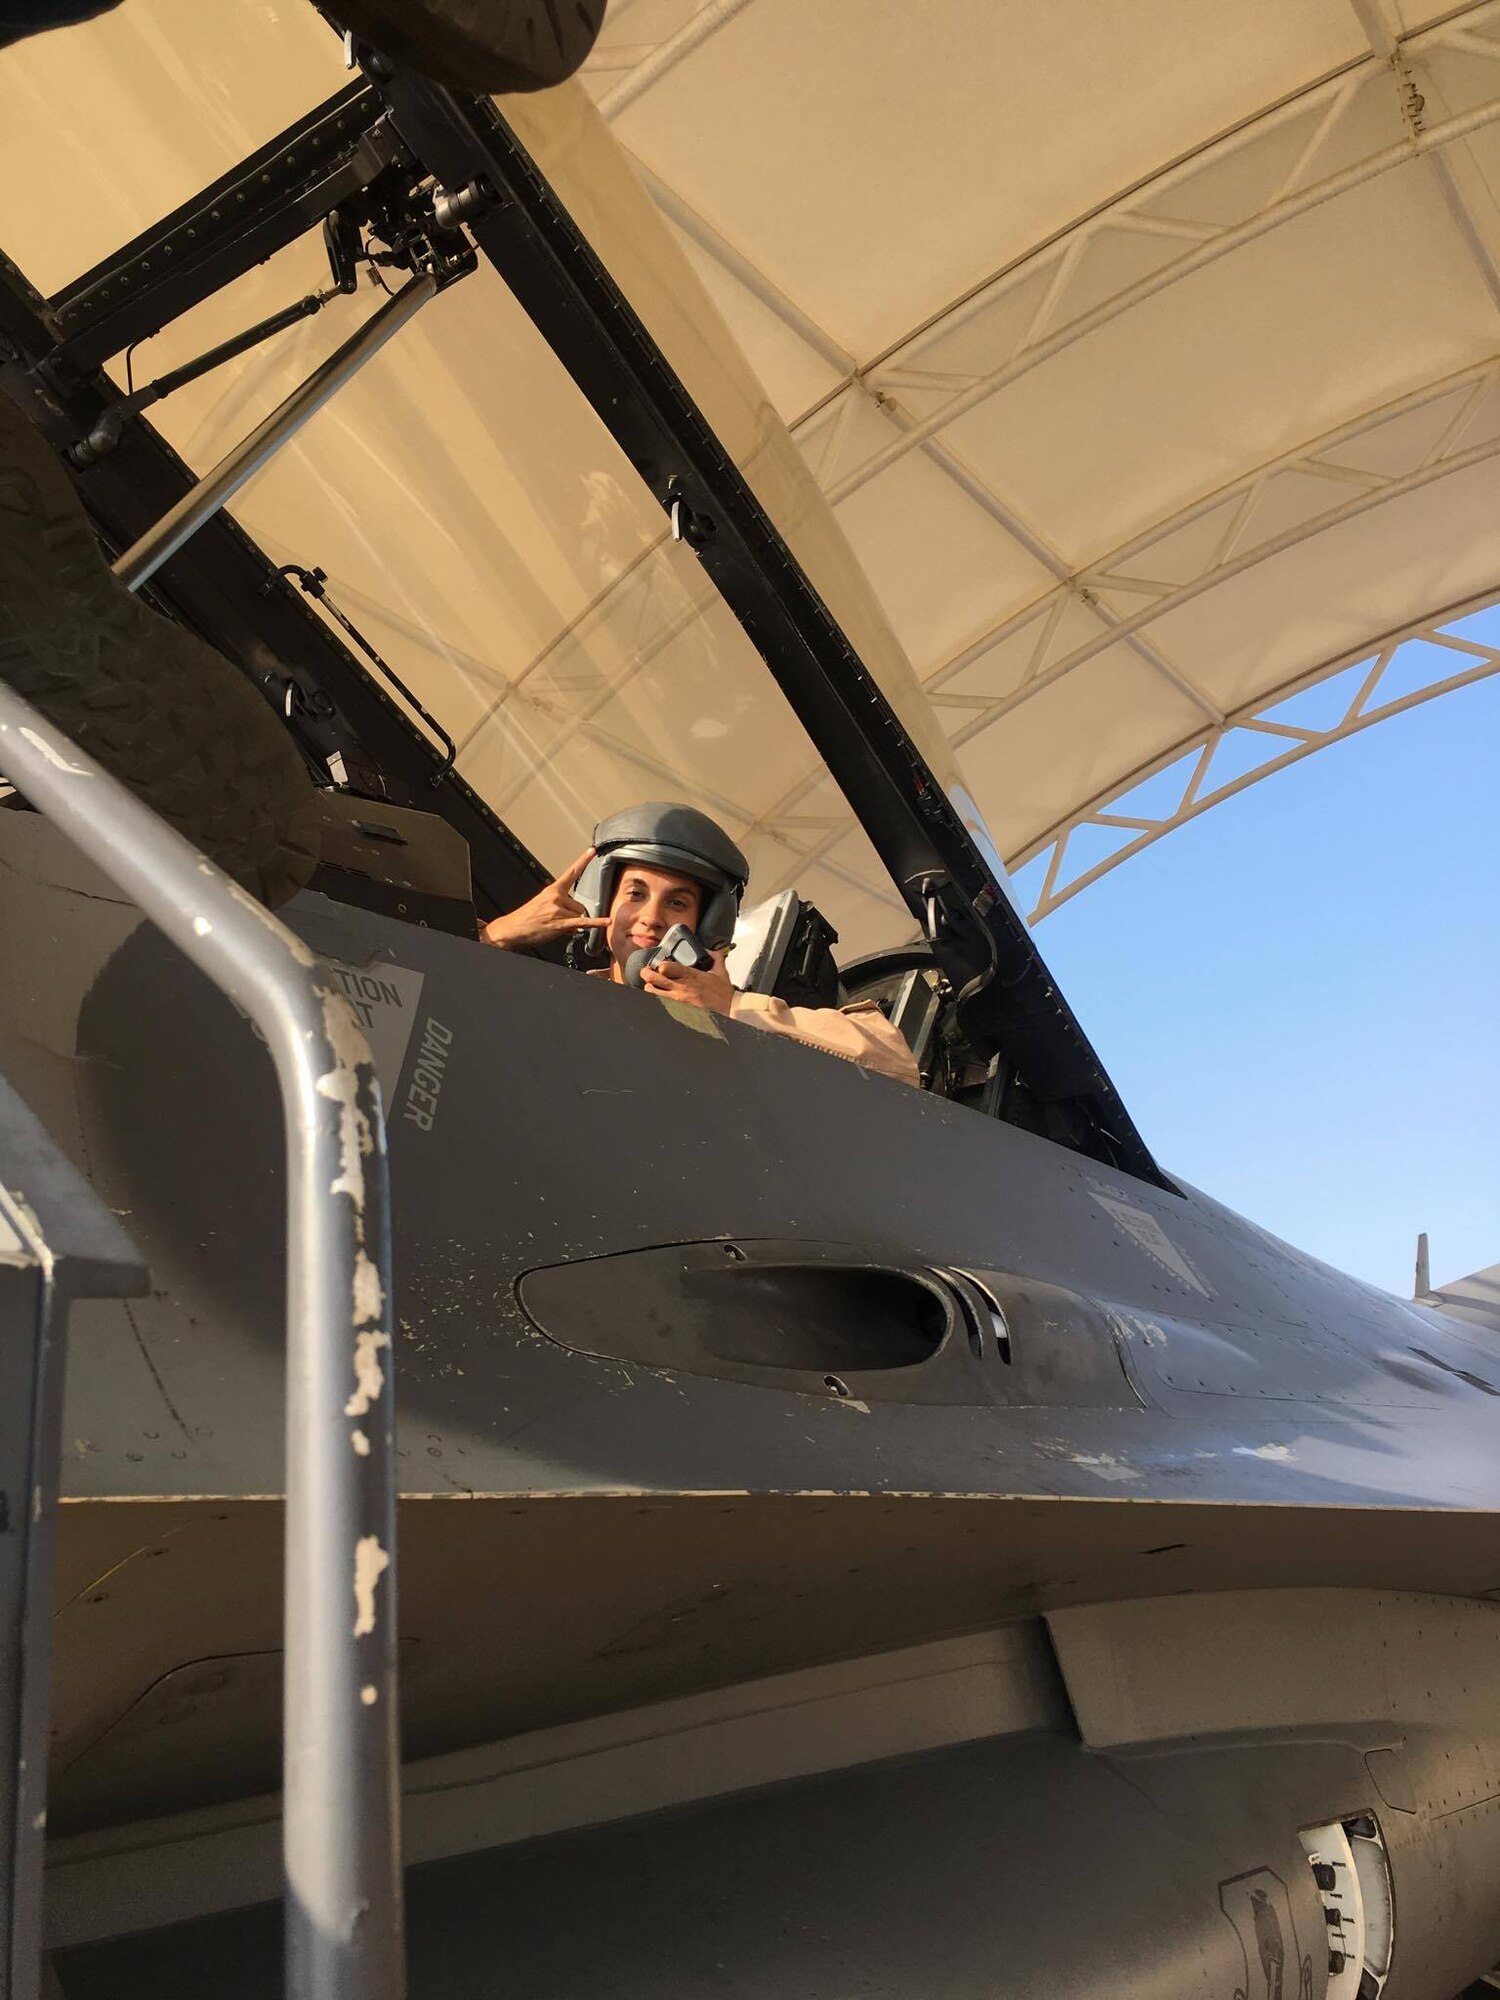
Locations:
(1008, 999)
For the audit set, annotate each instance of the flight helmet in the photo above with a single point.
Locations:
(680, 839)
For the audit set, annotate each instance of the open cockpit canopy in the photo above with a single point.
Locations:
(1146, 358)
(471, 515)
(1111, 380)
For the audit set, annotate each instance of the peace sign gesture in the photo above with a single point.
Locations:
(552, 913)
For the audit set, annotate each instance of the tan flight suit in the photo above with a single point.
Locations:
(859, 1033)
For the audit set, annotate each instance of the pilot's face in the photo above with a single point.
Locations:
(648, 901)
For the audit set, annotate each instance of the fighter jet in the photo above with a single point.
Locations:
(855, 1536)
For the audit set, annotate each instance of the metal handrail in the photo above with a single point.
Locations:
(341, 1838)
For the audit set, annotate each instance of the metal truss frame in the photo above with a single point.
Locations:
(1198, 793)
(1120, 593)
(660, 58)
(1059, 267)
(1125, 571)
(1395, 61)
(1061, 274)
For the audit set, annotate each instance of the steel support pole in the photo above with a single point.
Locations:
(341, 1770)
(215, 489)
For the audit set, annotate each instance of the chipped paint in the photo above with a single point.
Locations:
(342, 1085)
(369, 1297)
(1148, 1331)
(369, 1695)
(370, 1561)
(288, 939)
(54, 757)
(202, 927)
(361, 1443)
(697, 1018)
(1277, 1454)
(1104, 1465)
(369, 1376)
(346, 1037)
(1146, 1232)
(351, 1052)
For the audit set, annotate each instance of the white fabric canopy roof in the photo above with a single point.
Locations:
(1148, 353)
(1147, 357)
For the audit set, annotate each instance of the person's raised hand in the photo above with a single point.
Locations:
(554, 912)
(713, 990)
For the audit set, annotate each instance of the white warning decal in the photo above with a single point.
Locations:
(385, 998)
(1260, 1909)
(427, 1077)
(1147, 1233)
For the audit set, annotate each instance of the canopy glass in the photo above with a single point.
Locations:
(474, 518)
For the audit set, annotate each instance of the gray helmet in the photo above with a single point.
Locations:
(680, 839)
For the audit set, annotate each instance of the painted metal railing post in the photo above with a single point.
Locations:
(341, 1769)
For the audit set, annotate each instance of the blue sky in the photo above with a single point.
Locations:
(1298, 994)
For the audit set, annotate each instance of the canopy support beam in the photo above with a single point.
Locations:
(217, 488)
(223, 585)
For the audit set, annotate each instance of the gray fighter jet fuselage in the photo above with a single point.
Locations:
(855, 1539)
(1034, 1553)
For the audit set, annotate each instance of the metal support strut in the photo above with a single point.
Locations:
(217, 488)
(341, 1838)
(105, 435)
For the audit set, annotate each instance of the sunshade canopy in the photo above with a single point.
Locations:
(1145, 357)
(1147, 353)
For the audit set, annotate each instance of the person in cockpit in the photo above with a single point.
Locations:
(664, 879)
